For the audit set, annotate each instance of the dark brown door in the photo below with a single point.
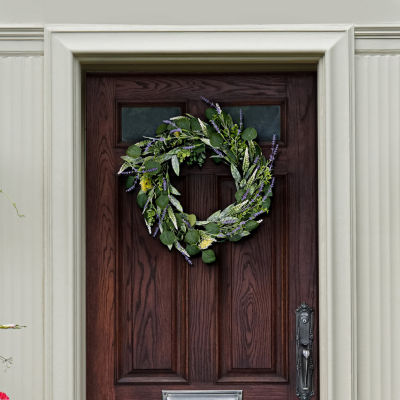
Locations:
(153, 321)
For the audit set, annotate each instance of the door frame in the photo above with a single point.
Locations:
(68, 52)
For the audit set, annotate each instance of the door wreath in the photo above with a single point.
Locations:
(186, 138)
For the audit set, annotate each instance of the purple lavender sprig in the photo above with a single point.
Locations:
(181, 250)
(188, 147)
(244, 197)
(210, 103)
(168, 122)
(164, 183)
(147, 203)
(146, 171)
(229, 221)
(186, 223)
(130, 172)
(218, 152)
(274, 152)
(256, 160)
(270, 189)
(176, 130)
(152, 141)
(238, 228)
(134, 185)
(160, 220)
(215, 126)
(240, 120)
(257, 214)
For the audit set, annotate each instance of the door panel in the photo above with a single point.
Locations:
(156, 323)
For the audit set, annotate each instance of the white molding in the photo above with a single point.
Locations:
(67, 47)
(383, 39)
(21, 40)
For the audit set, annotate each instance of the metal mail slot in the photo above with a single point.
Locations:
(202, 395)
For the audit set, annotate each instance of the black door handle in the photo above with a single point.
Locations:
(304, 351)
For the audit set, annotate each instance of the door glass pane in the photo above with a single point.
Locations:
(266, 119)
(137, 122)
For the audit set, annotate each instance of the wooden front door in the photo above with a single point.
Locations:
(153, 321)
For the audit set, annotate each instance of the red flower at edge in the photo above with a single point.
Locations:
(3, 396)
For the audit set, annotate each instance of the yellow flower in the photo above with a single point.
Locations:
(145, 183)
(205, 243)
(177, 133)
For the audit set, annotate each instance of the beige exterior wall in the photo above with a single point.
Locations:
(205, 12)
(377, 173)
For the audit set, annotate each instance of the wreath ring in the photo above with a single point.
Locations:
(185, 138)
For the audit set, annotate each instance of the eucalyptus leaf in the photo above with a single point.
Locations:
(208, 256)
(141, 199)
(161, 129)
(192, 219)
(216, 140)
(167, 238)
(134, 151)
(162, 201)
(251, 225)
(239, 195)
(266, 203)
(234, 238)
(192, 236)
(212, 227)
(210, 112)
(183, 123)
(192, 249)
(195, 125)
(249, 134)
(129, 182)
(152, 165)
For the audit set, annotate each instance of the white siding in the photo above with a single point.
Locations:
(21, 239)
(378, 225)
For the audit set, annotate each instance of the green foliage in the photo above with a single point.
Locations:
(251, 225)
(129, 181)
(192, 236)
(168, 238)
(249, 134)
(162, 201)
(134, 151)
(212, 227)
(141, 199)
(208, 256)
(152, 166)
(216, 139)
(192, 250)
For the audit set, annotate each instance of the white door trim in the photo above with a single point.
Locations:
(67, 48)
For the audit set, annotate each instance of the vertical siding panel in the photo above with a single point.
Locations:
(21, 240)
(363, 225)
(378, 225)
(394, 240)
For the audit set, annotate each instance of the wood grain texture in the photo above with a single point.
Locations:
(229, 325)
